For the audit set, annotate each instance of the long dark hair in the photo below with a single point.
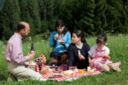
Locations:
(80, 34)
(59, 22)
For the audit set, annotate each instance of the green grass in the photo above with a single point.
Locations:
(119, 52)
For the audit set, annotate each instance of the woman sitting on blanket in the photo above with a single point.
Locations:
(60, 39)
(99, 56)
(78, 50)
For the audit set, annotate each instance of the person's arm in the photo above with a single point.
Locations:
(52, 41)
(81, 57)
(86, 55)
(87, 50)
(107, 51)
(67, 40)
(90, 57)
(71, 56)
(91, 52)
(106, 54)
(90, 60)
(17, 53)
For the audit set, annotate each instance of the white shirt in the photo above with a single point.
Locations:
(95, 52)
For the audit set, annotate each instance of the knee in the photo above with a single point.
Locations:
(54, 61)
(64, 57)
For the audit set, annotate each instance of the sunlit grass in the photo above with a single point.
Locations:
(119, 52)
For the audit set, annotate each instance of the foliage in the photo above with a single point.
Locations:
(91, 16)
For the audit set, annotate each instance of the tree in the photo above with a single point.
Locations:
(71, 11)
(91, 16)
(9, 17)
(35, 16)
(87, 19)
(100, 17)
(117, 18)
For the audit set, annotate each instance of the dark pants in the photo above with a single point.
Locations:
(60, 58)
(80, 64)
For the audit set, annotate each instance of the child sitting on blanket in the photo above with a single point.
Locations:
(99, 56)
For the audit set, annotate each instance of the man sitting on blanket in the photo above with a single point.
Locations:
(14, 55)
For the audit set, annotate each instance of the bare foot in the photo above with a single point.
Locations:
(105, 68)
(116, 66)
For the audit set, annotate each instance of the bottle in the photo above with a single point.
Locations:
(32, 48)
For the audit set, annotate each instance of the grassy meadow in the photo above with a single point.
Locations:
(119, 52)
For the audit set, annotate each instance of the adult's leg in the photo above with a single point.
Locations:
(21, 72)
(63, 58)
(83, 64)
(53, 59)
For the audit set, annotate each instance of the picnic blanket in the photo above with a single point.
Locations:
(71, 77)
(49, 73)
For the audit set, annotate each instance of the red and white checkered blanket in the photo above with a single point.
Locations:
(74, 76)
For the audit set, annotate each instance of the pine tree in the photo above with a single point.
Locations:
(9, 16)
(25, 14)
(100, 17)
(35, 16)
(87, 20)
(117, 18)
